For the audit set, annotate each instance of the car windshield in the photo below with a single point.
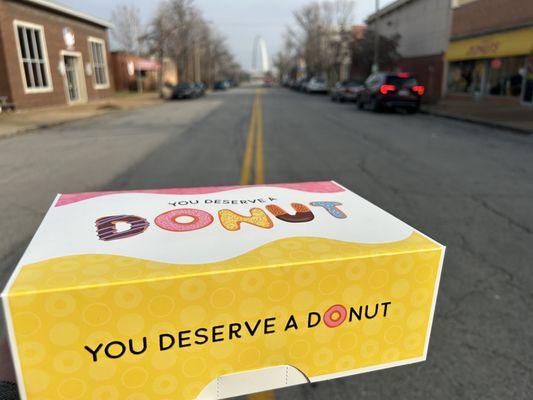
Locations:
(184, 85)
(399, 81)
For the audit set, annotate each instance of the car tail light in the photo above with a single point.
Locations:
(403, 75)
(384, 89)
(418, 89)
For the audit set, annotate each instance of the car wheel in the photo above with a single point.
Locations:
(360, 104)
(412, 110)
(374, 105)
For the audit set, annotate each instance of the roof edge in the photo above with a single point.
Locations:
(69, 11)
(387, 9)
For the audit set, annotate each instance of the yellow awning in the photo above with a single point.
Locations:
(512, 43)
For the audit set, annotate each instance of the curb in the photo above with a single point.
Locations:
(35, 127)
(496, 125)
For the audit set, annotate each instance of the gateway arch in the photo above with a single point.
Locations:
(260, 60)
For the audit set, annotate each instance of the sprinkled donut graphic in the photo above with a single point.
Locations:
(106, 227)
(303, 214)
(335, 316)
(168, 220)
(232, 221)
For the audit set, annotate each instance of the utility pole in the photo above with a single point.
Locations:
(375, 65)
(139, 73)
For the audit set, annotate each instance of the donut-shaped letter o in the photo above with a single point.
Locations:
(335, 316)
(106, 227)
(168, 220)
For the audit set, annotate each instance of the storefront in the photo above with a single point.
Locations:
(131, 71)
(498, 64)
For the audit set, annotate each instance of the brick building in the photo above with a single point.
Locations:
(52, 55)
(129, 70)
(490, 54)
(423, 27)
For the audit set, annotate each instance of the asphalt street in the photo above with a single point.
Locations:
(467, 186)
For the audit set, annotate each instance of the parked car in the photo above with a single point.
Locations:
(346, 91)
(199, 89)
(184, 90)
(268, 82)
(391, 90)
(301, 84)
(316, 85)
(220, 85)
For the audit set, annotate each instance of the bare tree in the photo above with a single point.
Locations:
(179, 31)
(159, 40)
(363, 51)
(285, 60)
(320, 34)
(127, 28)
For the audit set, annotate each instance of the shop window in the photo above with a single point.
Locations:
(504, 76)
(99, 62)
(496, 77)
(465, 76)
(33, 57)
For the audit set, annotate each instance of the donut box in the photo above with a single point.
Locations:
(210, 293)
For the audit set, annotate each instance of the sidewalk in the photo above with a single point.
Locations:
(499, 113)
(12, 123)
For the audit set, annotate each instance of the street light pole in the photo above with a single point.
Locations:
(138, 53)
(375, 65)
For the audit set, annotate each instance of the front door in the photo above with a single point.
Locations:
(72, 81)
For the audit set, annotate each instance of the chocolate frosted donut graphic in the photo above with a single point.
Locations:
(303, 214)
(106, 227)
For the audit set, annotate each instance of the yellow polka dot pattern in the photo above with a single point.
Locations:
(58, 306)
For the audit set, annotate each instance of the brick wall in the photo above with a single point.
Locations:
(429, 71)
(53, 32)
(488, 15)
(4, 83)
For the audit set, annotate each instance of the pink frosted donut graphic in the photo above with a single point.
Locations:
(168, 220)
(335, 316)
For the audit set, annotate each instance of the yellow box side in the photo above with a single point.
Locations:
(52, 327)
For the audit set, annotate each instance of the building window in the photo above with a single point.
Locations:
(33, 57)
(496, 76)
(504, 76)
(98, 57)
(465, 76)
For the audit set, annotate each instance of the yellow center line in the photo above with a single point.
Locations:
(254, 139)
(262, 396)
(248, 152)
(259, 164)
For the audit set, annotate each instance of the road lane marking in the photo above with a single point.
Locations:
(248, 152)
(254, 146)
(262, 396)
(259, 164)
(254, 138)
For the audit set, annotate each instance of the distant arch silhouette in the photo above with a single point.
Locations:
(260, 60)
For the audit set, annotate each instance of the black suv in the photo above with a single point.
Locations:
(391, 90)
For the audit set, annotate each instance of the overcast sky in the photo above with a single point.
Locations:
(238, 20)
